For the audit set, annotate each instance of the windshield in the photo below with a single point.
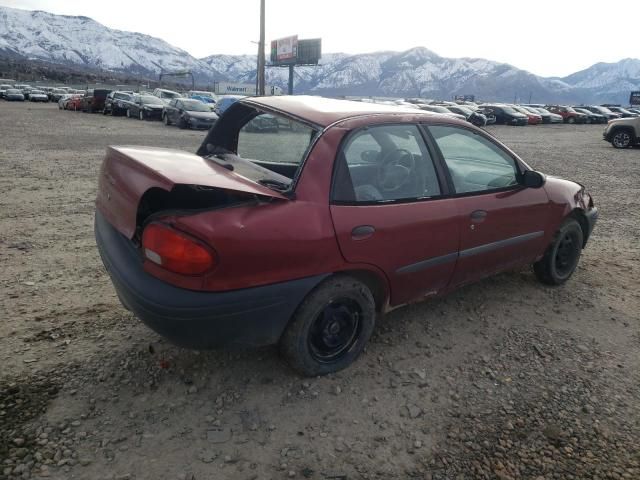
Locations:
(37, 92)
(570, 110)
(464, 110)
(13, 90)
(150, 100)
(195, 106)
(509, 109)
(169, 95)
(203, 94)
(623, 110)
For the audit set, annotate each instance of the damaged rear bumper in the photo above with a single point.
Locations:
(195, 319)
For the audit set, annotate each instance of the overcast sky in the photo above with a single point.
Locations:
(545, 37)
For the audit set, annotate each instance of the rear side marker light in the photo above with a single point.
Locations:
(176, 251)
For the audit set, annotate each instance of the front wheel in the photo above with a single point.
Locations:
(571, 120)
(128, 113)
(621, 139)
(141, 115)
(561, 258)
(165, 119)
(330, 327)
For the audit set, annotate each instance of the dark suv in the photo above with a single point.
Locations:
(115, 103)
(93, 101)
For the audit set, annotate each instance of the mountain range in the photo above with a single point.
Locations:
(418, 72)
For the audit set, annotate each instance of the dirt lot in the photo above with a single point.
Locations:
(503, 379)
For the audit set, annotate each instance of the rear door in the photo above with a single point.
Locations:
(389, 210)
(502, 223)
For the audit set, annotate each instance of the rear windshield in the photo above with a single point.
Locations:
(164, 94)
(270, 148)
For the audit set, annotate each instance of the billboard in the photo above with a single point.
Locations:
(284, 50)
(634, 98)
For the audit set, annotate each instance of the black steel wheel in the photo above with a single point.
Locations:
(330, 328)
(562, 256)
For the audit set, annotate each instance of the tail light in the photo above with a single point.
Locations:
(176, 251)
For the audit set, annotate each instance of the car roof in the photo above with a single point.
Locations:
(327, 111)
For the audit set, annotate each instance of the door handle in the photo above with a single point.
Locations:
(362, 231)
(478, 216)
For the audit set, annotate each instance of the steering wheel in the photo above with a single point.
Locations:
(396, 170)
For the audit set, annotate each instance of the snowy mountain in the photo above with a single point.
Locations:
(83, 42)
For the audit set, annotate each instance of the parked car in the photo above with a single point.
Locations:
(634, 110)
(56, 94)
(591, 117)
(303, 239)
(188, 113)
(116, 103)
(491, 118)
(224, 102)
(263, 123)
(204, 97)
(74, 102)
(93, 100)
(505, 115)
(553, 117)
(623, 132)
(38, 96)
(3, 89)
(165, 95)
(441, 109)
(474, 117)
(532, 117)
(14, 95)
(568, 114)
(545, 117)
(144, 107)
(602, 110)
(62, 101)
(623, 112)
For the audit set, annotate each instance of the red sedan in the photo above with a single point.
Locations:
(74, 103)
(532, 118)
(303, 235)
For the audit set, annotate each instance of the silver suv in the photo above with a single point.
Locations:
(623, 132)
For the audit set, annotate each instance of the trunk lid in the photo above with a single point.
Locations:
(127, 173)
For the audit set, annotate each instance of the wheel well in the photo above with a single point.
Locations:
(624, 128)
(578, 214)
(373, 281)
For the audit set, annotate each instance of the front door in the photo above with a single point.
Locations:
(502, 223)
(388, 210)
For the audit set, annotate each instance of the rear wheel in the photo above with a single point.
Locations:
(128, 113)
(141, 115)
(621, 139)
(571, 120)
(561, 258)
(330, 327)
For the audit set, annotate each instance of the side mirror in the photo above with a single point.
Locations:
(533, 179)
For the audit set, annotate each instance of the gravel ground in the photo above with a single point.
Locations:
(502, 379)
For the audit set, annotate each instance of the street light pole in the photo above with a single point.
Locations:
(261, 52)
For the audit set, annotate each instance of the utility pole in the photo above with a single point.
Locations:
(261, 52)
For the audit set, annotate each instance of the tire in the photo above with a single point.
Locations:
(330, 328)
(621, 138)
(165, 119)
(571, 120)
(562, 256)
(128, 113)
(141, 115)
(182, 124)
